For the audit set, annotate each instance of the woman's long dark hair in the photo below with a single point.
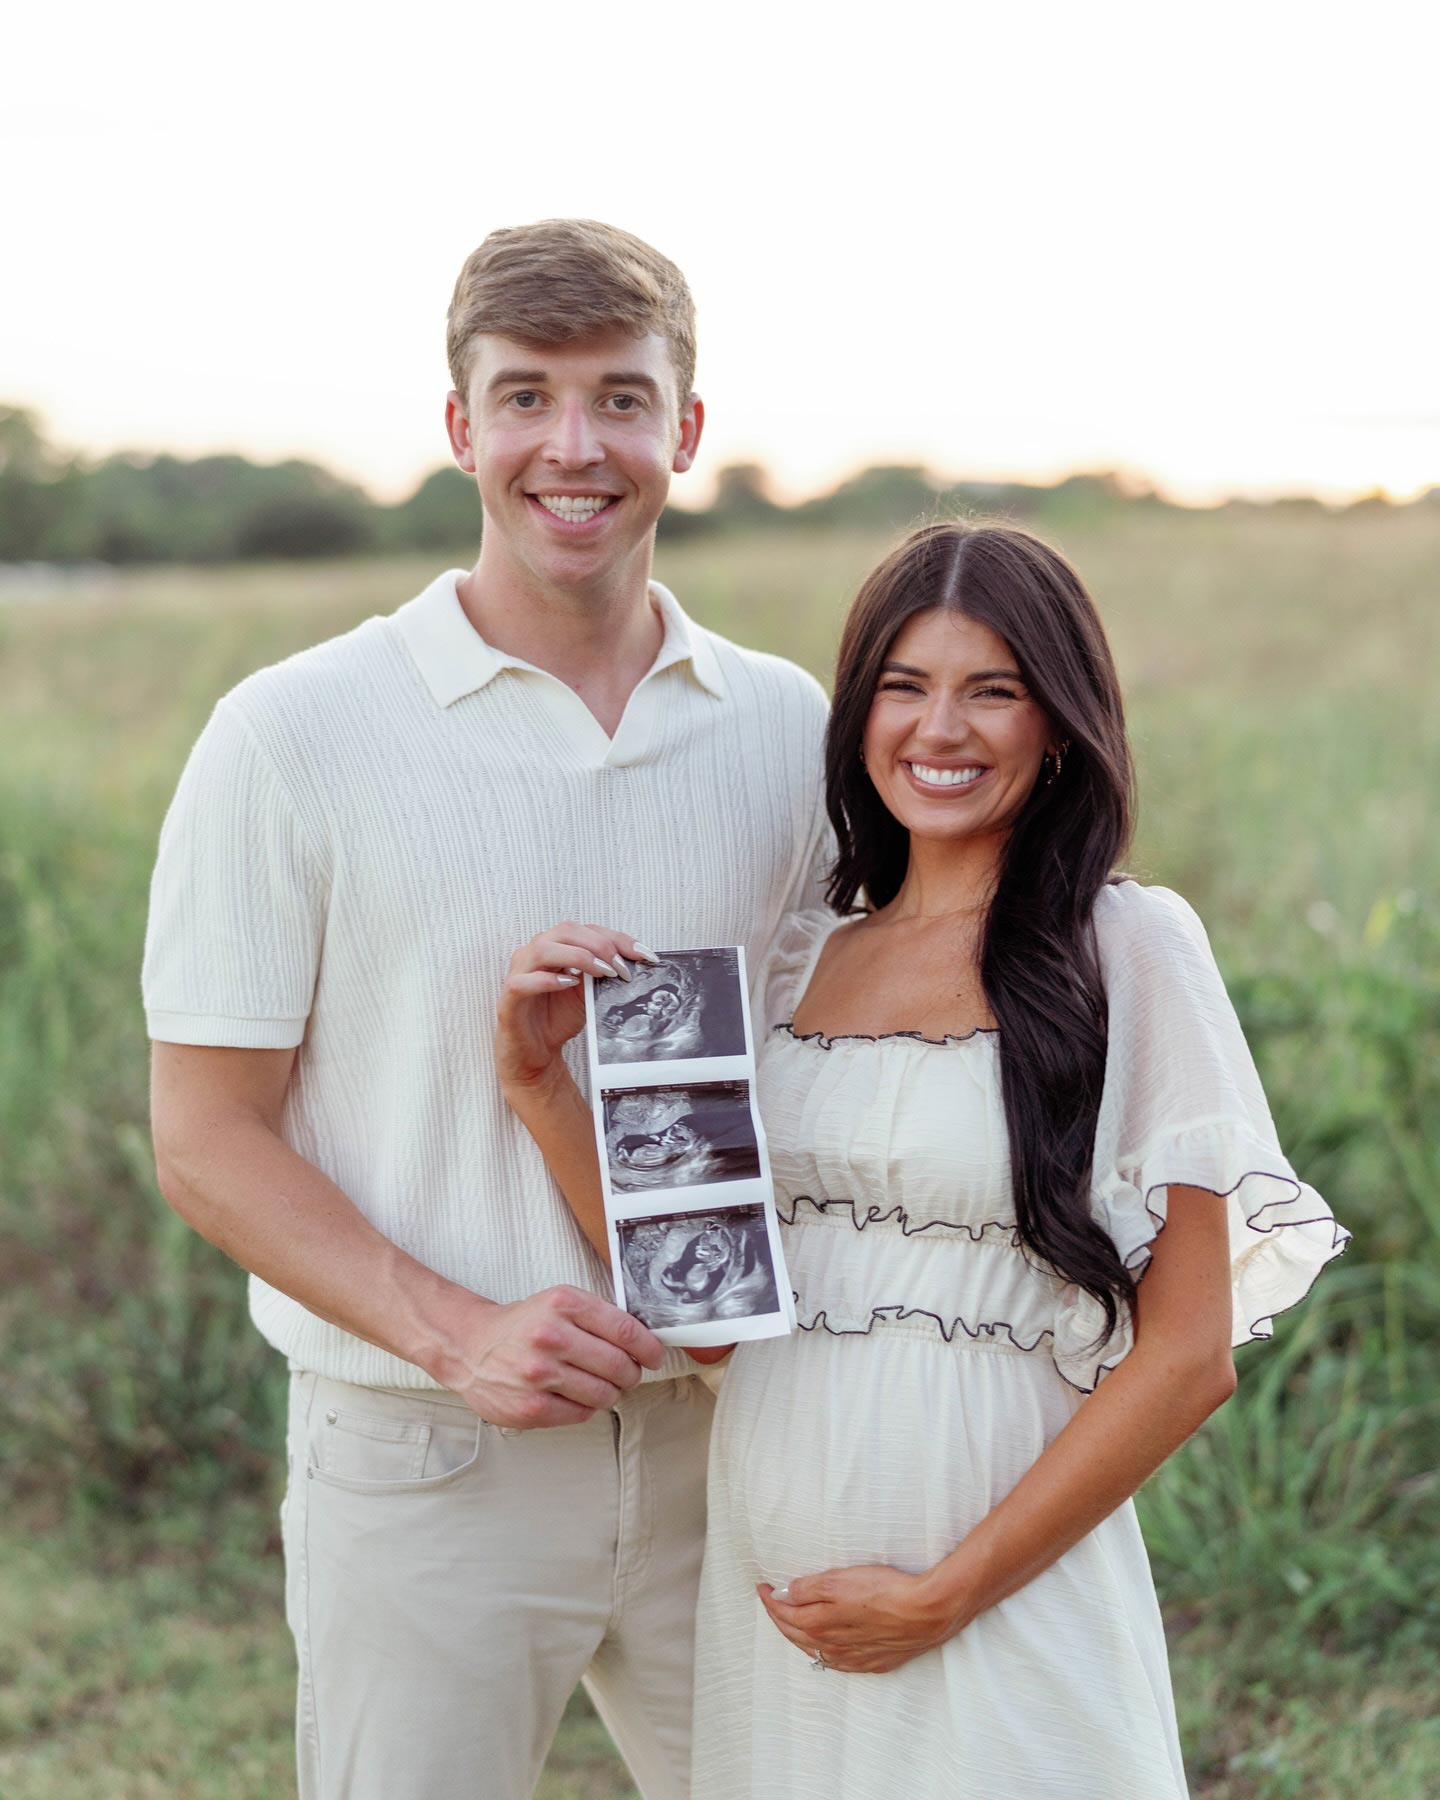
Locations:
(1038, 961)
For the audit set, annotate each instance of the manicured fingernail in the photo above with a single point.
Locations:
(780, 1593)
(646, 955)
(566, 980)
(622, 968)
(572, 971)
(603, 967)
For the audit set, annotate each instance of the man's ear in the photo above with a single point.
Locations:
(692, 423)
(457, 429)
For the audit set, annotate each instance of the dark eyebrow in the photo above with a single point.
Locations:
(624, 378)
(900, 668)
(631, 378)
(506, 376)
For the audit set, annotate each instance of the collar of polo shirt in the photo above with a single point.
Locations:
(455, 660)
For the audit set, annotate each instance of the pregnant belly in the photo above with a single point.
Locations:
(879, 1448)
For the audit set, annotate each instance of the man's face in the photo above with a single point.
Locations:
(572, 447)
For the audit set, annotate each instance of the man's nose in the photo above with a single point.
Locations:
(574, 442)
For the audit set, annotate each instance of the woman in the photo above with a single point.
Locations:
(995, 1099)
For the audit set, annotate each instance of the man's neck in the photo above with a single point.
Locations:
(600, 642)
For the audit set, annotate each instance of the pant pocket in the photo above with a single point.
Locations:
(381, 1443)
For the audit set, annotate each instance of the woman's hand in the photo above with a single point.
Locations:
(541, 1007)
(542, 1003)
(865, 1620)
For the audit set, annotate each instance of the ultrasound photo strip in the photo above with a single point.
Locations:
(694, 1239)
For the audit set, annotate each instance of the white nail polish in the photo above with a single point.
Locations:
(574, 971)
(622, 968)
(566, 980)
(646, 955)
(603, 967)
(781, 1593)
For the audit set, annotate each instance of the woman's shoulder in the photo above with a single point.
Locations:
(1150, 939)
(799, 933)
(1129, 915)
(792, 953)
(1154, 953)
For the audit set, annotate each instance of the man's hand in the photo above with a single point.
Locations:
(553, 1359)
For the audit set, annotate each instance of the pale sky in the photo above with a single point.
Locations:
(1194, 242)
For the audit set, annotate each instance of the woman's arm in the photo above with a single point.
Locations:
(872, 1619)
(553, 1110)
(541, 1007)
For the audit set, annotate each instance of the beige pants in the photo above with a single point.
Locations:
(448, 1584)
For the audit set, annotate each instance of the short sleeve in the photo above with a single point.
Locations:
(806, 709)
(237, 902)
(815, 870)
(1182, 1105)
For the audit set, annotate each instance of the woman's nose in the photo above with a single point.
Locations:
(944, 721)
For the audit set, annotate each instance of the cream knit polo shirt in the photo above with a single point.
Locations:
(362, 836)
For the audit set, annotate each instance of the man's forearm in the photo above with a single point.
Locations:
(549, 1358)
(242, 1187)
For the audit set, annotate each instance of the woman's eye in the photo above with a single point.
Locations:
(996, 693)
(898, 687)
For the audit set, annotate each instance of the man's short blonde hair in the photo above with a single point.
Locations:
(563, 279)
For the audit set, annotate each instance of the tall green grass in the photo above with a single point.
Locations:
(1280, 674)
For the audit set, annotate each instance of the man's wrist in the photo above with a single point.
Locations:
(444, 1325)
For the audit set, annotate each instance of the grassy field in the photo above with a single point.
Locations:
(1281, 674)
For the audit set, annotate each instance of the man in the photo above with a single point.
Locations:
(495, 1476)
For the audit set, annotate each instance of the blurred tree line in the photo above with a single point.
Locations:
(59, 506)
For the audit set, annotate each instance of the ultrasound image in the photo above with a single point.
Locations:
(692, 1268)
(679, 1136)
(689, 1006)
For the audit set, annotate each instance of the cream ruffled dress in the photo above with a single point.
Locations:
(934, 1363)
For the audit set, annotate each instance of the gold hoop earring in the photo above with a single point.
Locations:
(1059, 759)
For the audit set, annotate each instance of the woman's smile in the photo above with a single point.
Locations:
(940, 779)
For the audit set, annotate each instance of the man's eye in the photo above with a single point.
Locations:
(525, 401)
(625, 403)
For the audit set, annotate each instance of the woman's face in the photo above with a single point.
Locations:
(953, 742)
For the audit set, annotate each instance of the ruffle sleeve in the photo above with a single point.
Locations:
(777, 985)
(1182, 1106)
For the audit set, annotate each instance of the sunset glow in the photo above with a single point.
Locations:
(1185, 243)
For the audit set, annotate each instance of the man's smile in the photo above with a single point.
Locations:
(574, 515)
(575, 506)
